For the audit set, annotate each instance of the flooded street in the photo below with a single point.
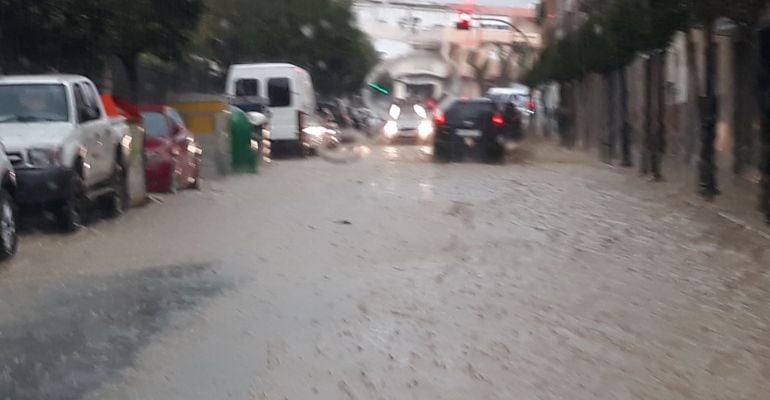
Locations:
(395, 278)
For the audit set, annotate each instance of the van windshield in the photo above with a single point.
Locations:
(33, 103)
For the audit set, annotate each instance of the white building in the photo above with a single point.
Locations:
(420, 45)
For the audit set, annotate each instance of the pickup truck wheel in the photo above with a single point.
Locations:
(9, 241)
(112, 205)
(68, 214)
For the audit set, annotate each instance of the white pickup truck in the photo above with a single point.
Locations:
(65, 149)
(9, 239)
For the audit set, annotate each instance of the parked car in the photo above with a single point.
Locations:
(364, 118)
(171, 152)
(65, 150)
(408, 122)
(290, 93)
(338, 110)
(518, 95)
(374, 123)
(9, 239)
(512, 129)
(470, 125)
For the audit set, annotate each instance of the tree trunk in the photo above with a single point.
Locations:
(625, 130)
(645, 166)
(693, 94)
(709, 107)
(607, 149)
(764, 101)
(746, 72)
(567, 115)
(659, 136)
(131, 65)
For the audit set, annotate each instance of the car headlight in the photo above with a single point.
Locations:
(425, 129)
(44, 158)
(316, 131)
(391, 129)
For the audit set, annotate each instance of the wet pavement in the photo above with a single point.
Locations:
(395, 278)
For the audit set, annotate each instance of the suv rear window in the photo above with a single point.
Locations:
(469, 110)
(279, 92)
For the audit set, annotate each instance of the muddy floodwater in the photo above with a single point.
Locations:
(394, 277)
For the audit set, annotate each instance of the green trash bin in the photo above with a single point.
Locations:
(245, 150)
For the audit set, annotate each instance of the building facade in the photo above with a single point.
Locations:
(420, 45)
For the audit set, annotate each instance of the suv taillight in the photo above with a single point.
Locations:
(439, 119)
(498, 120)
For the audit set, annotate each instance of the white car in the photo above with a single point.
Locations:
(408, 123)
(65, 150)
(9, 240)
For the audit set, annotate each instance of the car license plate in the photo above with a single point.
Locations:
(468, 132)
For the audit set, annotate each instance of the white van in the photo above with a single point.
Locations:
(289, 90)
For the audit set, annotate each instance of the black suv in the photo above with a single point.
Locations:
(476, 125)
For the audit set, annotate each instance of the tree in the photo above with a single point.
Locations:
(319, 35)
(52, 35)
(745, 14)
(705, 13)
(481, 64)
(80, 35)
(160, 28)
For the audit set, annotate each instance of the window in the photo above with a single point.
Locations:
(33, 103)
(279, 92)
(80, 103)
(155, 124)
(92, 98)
(247, 87)
(178, 120)
(462, 111)
(86, 103)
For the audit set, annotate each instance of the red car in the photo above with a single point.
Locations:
(172, 155)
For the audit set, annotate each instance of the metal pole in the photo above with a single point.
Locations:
(512, 26)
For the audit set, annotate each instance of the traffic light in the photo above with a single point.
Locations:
(464, 23)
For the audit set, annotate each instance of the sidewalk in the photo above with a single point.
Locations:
(738, 203)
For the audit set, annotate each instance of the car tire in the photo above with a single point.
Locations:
(495, 154)
(68, 215)
(113, 204)
(440, 154)
(173, 181)
(196, 185)
(9, 239)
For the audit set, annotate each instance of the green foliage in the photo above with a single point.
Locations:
(161, 28)
(319, 35)
(608, 40)
(79, 35)
(45, 35)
